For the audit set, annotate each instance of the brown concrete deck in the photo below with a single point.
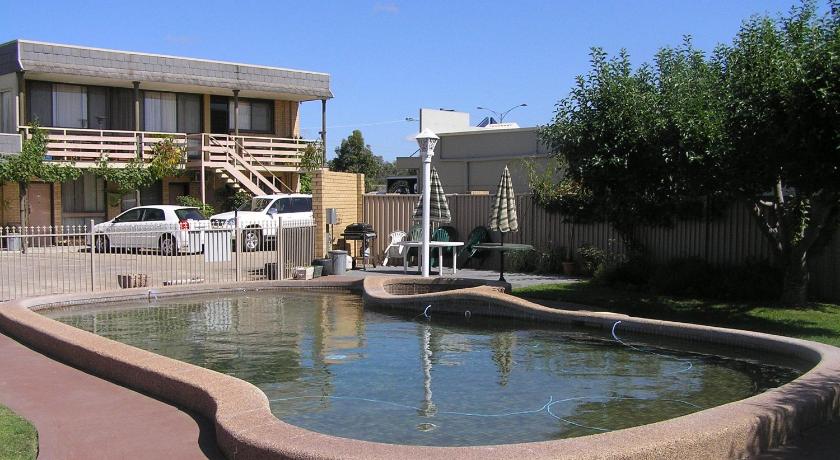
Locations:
(81, 416)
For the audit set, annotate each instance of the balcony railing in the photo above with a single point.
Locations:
(85, 147)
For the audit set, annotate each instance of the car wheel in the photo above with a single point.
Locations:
(101, 244)
(167, 246)
(251, 239)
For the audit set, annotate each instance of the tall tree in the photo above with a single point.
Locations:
(353, 155)
(628, 140)
(783, 83)
(758, 121)
(30, 165)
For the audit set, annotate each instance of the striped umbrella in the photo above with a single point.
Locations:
(503, 214)
(438, 207)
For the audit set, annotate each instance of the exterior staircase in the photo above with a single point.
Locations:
(242, 174)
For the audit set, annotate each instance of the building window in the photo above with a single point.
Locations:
(83, 199)
(40, 103)
(7, 110)
(160, 112)
(254, 115)
(189, 113)
(69, 106)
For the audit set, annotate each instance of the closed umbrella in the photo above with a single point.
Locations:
(503, 213)
(438, 207)
(503, 219)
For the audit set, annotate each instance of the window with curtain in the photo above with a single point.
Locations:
(69, 106)
(40, 102)
(159, 111)
(99, 107)
(254, 115)
(122, 109)
(7, 108)
(189, 113)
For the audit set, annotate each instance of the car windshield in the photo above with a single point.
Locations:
(257, 205)
(189, 214)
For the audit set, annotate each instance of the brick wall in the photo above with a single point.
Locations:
(10, 205)
(343, 191)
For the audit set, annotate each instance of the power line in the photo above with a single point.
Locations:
(374, 123)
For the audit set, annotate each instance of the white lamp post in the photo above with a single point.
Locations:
(426, 140)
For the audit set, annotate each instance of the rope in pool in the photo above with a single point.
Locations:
(545, 407)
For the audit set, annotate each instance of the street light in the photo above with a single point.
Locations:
(502, 115)
(427, 141)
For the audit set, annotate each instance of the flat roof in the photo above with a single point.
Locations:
(51, 60)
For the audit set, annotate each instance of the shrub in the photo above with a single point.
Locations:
(689, 276)
(193, 202)
(694, 277)
(634, 269)
(591, 258)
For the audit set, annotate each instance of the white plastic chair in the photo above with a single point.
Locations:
(394, 250)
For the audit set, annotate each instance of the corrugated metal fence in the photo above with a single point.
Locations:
(732, 238)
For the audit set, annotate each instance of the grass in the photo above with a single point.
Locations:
(18, 438)
(819, 322)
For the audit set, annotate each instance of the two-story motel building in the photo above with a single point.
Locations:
(239, 122)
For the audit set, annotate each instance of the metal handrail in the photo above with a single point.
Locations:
(239, 159)
(241, 145)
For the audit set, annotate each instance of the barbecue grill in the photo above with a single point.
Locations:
(364, 233)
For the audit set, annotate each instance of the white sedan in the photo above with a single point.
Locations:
(170, 229)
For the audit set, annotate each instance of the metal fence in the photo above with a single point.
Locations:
(53, 260)
(730, 239)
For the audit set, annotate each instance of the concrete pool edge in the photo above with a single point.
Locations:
(245, 427)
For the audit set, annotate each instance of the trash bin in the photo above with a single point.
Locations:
(339, 262)
(13, 241)
(326, 266)
(217, 246)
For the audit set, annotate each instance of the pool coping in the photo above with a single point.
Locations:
(246, 428)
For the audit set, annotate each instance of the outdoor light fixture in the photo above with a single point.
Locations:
(502, 115)
(427, 140)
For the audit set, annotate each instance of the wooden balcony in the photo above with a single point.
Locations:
(85, 147)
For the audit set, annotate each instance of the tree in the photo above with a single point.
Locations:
(629, 139)
(757, 121)
(353, 155)
(783, 85)
(30, 165)
(310, 161)
(168, 157)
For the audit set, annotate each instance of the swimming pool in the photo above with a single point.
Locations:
(329, 365)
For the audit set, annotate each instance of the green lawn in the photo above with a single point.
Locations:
(817, 321)
(18, 438)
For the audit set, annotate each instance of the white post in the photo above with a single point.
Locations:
(427, 188)
(427, 140)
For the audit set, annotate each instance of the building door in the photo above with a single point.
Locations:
(40, 213)
(40, 204)
(177, 189)
(219, 115)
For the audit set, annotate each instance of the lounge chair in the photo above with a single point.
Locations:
(394, 250)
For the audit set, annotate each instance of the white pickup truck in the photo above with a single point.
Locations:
(260, 218)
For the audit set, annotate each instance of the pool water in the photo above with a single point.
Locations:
(329, 365)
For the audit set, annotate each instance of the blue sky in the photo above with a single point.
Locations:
(389, 58)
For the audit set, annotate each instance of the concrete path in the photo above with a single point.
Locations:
(79, 416)
(517, 280)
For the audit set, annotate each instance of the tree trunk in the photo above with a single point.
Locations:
(23, 190)
(796, 278)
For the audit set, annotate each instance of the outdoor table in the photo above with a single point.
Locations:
(433, 244)
(502, 249)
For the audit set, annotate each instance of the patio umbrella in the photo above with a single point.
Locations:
(438, 207)
(503, 213)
